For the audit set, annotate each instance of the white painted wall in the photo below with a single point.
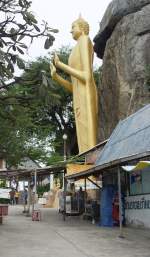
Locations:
(138, 214)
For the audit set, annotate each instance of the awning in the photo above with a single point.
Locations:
(25, 173)
(139, 166)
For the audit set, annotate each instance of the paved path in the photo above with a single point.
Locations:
(52, 237)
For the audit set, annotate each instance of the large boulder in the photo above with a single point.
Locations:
(126, 56)
(116, 10)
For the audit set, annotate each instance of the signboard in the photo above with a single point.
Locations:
(137, 210)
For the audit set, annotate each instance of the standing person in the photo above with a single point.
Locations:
(12, 196)
(16, 196)
(80, 195)
(83, 86)
(25, 199)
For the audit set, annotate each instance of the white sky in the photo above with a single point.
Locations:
(60, 15)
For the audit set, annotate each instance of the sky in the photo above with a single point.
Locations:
(60, 15)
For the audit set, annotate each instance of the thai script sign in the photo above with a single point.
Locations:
(137, 204)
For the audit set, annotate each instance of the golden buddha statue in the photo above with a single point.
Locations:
(83, 88)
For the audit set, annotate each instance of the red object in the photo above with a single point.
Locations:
(115, 210)
(36, 215)
(3, 210)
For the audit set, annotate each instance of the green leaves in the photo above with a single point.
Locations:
(13, 31)
(33, 114)
(48, 43)
(17, 29)
(37, 28)
(20, 50)
(21, 37)
(24, 3)
(1, 44)
(20, 63)
(10, 67)
(29, 18)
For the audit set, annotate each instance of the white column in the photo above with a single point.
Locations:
(51, 181)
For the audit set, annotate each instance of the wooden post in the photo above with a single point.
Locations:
(65, 189)
(29, 198)
(35, 181)
(85, 195)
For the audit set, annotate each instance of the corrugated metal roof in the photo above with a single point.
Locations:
(23, 173)
(130, 137)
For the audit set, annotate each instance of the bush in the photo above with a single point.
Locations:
(42, 189)
(4, 201)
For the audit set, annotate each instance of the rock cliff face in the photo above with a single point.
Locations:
(124, 44)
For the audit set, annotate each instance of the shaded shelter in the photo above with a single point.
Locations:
(129, 142)
(28, 173)
(25, 173)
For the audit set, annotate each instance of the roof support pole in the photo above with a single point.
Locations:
(34, 194)
(64, 193)
(35, 181)
(94, 183)
(85, 194)
(29, 198)
(120, 204)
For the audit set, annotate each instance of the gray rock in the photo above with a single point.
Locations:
(127, 54)
(116, 10)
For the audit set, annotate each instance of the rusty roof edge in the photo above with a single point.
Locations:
(93, 148)
(108, 165)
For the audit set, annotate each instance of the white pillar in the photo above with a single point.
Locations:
(35, 181)
(51, 181)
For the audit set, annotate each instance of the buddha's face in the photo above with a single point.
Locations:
(76, 30)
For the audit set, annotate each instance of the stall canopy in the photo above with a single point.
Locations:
(139, 166)
(25, 173)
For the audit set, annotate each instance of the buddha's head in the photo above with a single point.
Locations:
(79, 27)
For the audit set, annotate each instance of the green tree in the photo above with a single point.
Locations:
(19, 133)
(53, 104)
(17, 26)
(35, 113)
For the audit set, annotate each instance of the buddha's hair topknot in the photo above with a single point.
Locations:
(83, 24)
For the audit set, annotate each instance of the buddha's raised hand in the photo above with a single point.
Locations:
(56, 59)
(52, 70)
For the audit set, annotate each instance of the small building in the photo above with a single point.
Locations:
(128, 144)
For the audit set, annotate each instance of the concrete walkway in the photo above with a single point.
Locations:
(52, 237)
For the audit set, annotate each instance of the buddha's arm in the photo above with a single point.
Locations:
(86, 53)
(71, 71)
(66, 84)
